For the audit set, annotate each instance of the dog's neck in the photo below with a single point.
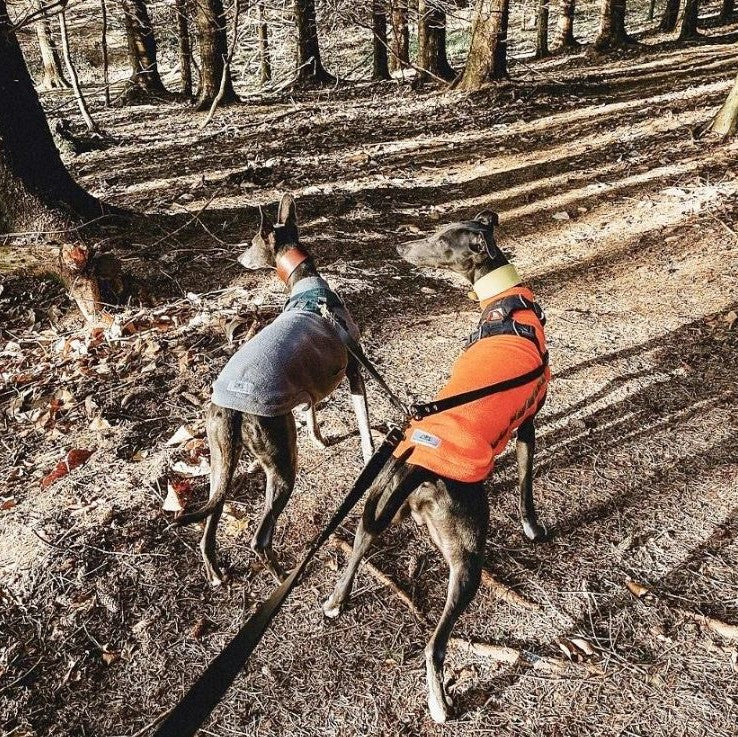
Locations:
(294, 264)
(493, 277)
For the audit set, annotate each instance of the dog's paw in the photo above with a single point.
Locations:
(330, 609)
(534, 532)
(437, 708)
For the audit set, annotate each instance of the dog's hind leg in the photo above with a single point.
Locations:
(314, 428)
(406, 479)
(358, 399)
(525, 449)
(457, 523)
(273, 440)
(224, 437)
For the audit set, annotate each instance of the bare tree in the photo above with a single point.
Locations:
(725, 123)
(380, 65)
(432, 40)
(487, 60)
(184, 47)
(310, 69)
(265, 62)
(565, 27)
(688, 25)
(400, 57)
(53, 77)
(612, 33)
(670, 16)
(727, 8)
(141, 49)
(542, 29)
(210, 18)
(104, 50)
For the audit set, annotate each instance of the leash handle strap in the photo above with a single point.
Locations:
(419, 411)
(205, 694)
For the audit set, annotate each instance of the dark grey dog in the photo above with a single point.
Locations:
(298, 359)
(452, 453)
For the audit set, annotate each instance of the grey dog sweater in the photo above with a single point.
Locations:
(296, 359)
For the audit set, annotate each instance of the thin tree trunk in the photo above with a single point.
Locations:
(651, 9)
(400, 56)
(184, 48)
(211, 30)
(141, 48)
(565, 27)
(725, 123)
(688, 25)
(487, 60)
(104, 48)
(612, 32)
(542, 30)
(226, 75)
(265, 60)
(726, 11)
(310, 69)
(53, 77)
(380, 68)
(81, 102)
(432, 40)
(671, 15)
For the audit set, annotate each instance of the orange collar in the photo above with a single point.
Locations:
(289, 260)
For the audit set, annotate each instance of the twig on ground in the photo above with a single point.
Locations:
(509, 655)
(508, 595)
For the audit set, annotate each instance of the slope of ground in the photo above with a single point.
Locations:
(626, 227)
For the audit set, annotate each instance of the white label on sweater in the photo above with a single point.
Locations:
(425, 438)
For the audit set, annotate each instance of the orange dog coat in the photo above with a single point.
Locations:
(462, 443)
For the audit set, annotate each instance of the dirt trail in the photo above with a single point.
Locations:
(627, 228)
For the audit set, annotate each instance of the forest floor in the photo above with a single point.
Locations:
(626, 226)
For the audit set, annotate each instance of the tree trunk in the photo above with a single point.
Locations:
(141, 48)
(81, 102)
(34, 184)
(400, 56)
(487, 60)
(725, 123)
(104, 49)
(380, 69)
(310, 69)
(670, 16)
(184, 48)
(612, 26)
(53, 77)
(688, 25)
(432, 40)
(726, 11)
(542, 30)
(651, 9)
(565, 27)
(211, 31)
(265, 61)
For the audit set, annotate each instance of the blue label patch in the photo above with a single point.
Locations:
(425, 438)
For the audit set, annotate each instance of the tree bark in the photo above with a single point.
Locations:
(725, 123)
(265, 61)
(651, 9)
(432, 40)
(141, 48)
(542, 30)
(612, 32)
(380, 67)
(310, 69)
(53, 77)
(184, 47)
(670, 16)
(565, 27)
(726, 11)
(400, 56)
(211, 31)
(104, 50)
(81, 102)
(487, 60)
(688, 25)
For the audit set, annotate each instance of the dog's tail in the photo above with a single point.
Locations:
(375, 524)
(205, 510)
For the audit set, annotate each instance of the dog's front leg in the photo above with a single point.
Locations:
(361, 409)
(525, 449)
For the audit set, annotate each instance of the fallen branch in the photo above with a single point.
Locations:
(404, 597)
(509, 655)
(508, 595)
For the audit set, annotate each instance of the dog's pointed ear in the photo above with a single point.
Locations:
(265, 224)
(487, 217)
(287, 213)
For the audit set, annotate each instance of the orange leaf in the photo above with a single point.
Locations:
(74, 458)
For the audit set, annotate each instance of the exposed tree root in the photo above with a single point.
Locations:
(508, 595)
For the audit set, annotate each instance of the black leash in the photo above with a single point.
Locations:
(209, 689)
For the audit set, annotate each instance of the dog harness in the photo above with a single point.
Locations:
(297, 359)
(462, 443)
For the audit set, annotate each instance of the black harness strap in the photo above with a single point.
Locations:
(497, 319)
(187, 717)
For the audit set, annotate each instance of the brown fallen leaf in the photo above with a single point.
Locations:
(178, 492)
(637, 589)
(7, 502)
(110, 656)
(76, 457)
